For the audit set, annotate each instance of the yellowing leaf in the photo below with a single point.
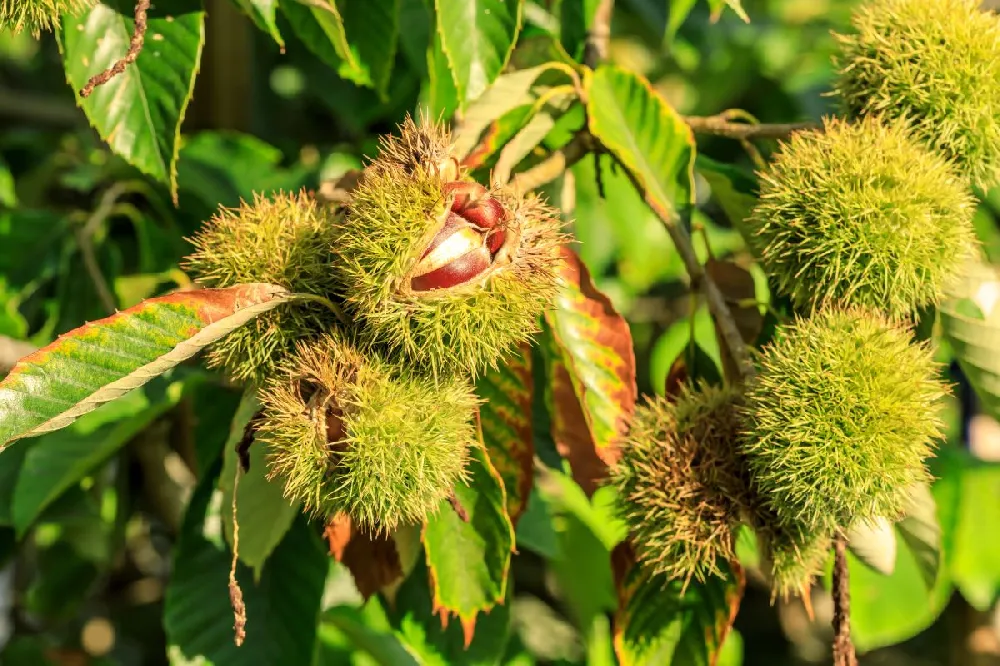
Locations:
(105, 359)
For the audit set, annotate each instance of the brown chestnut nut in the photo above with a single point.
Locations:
(454, 273)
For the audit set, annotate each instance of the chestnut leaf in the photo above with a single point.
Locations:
(138, 112)
(105, 359)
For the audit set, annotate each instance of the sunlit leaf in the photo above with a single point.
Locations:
(477, 37)
(875, 545)
(468, 556)
(357, 39)
(264, 14)
(736, 6)
(138, 112)
(505, 94)
(532, 133)
(970, 319)
(505, 419)
(648, 136)
(889, 609)
(8, 197)
(106, 359)
(975, 566)
(436, 642)
(595, 349)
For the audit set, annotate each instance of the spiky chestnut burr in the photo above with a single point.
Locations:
(862, 214)
(935, 63)
(839, 420)
(682, 489)
(794, 558)
(283, 240)
(346, 432)
(439, 271)
(37, 15)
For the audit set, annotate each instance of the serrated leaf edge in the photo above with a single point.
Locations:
(213, 331)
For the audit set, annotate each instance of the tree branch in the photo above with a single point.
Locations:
(719, 125)
(134, 48)
(85, 241)
(843, 648)
(599, 36)
(723, 125)
(700, 279)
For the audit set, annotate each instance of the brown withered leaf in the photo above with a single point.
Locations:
(372, 560)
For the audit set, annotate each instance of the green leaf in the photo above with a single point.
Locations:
(357, 39)
(469, 560)
(216, 408)
(535, 530)
(372, 29)
(889, 609)
(439, 95)
(57, 461)
(264, 15)
(667, 349)
(264, 515)
(222, 168)
(646, 135)
(658, 623)
(576, 17)
(505, 419)
(679, 10)
(975, 566)
(736, 5)
(282, 607)
(975, 339)
(732, 188)
(11, 462)
(106, 359)
(321, 29)
(383, 647)
(587, 530)
(435, 642)
(478, 37)
(595, 349)
(875, 545)
(533, 133)
(138, 112)
(507, 93)
(921, 532)
(645, 254)
(37, 235)
(8, 197)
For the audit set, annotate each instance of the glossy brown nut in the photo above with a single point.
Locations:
(464, 193)
(473, 202)
(495, 240)
(485, 213)
(459, 271)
